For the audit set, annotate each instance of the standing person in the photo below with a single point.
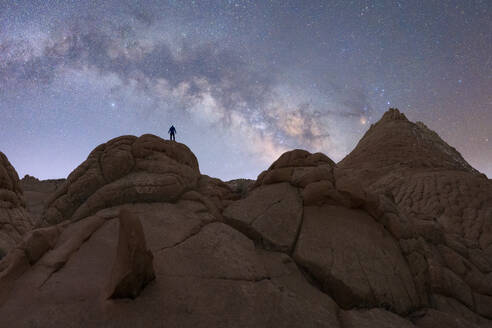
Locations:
(172, 132)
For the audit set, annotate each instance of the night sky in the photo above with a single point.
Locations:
(242, 81)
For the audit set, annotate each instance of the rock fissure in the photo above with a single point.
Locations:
(298, 233)
(187, 238)
(255, 280)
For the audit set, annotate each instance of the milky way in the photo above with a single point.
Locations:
(242, 81)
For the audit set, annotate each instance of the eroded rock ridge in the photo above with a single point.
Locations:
(398, 234)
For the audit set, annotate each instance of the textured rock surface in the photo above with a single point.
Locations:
(125, 169)
(398, 234)
(132, 269)
(355, 259)
(271, 213)
(435, 204)
(15, 221)
(373, 318)
(37, 193)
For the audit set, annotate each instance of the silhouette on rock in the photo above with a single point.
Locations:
(125, 169)
(398, 234)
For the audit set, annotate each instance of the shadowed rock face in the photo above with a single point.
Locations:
(398, 234)
(133, 268)
(14, 219)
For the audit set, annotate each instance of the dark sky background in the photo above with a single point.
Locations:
(242, 81)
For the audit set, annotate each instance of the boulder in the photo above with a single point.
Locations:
(132, 269)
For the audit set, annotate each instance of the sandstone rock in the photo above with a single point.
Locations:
(217, 191)
(395, 142)
(457, 309)
(132, 269)
(216, 251)
(322, 192)
(271, 215)
(375, 318)
(37, 193)
(240, 186)
(400, 229)
(355, 259)
(15, 221)
(298, 167)
(12, 266)
(212, 277)
(439, 199)
(483, 304)
(37, 242)
(431, 318)
(125, 169)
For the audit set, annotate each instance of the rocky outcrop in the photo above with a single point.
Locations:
(395, 142)
(15, 221)
(398, 234)
(207, 272)
(125, 169)
(271, 214)
(435, 204)
(37, 192)
(355, 259)
(132, 269)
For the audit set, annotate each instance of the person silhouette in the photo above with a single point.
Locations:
(172, 132)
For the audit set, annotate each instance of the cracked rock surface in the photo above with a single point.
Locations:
(398, 234)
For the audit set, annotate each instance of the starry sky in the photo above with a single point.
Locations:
(242, 81)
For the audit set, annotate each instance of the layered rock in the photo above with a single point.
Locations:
(15, 221)
(295, 207)
(396, 235)
(435, 204)
(394, 142)
(125, 169)
(37, 193)
(207, 272)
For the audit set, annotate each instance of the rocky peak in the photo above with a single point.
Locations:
(138, 220)
(395, 142)
(29, 179)
(393, 114)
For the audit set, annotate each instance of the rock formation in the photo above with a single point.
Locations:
(436, 206)
(133, 268)
(398, 234)
(15, 221)
(37, 192)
